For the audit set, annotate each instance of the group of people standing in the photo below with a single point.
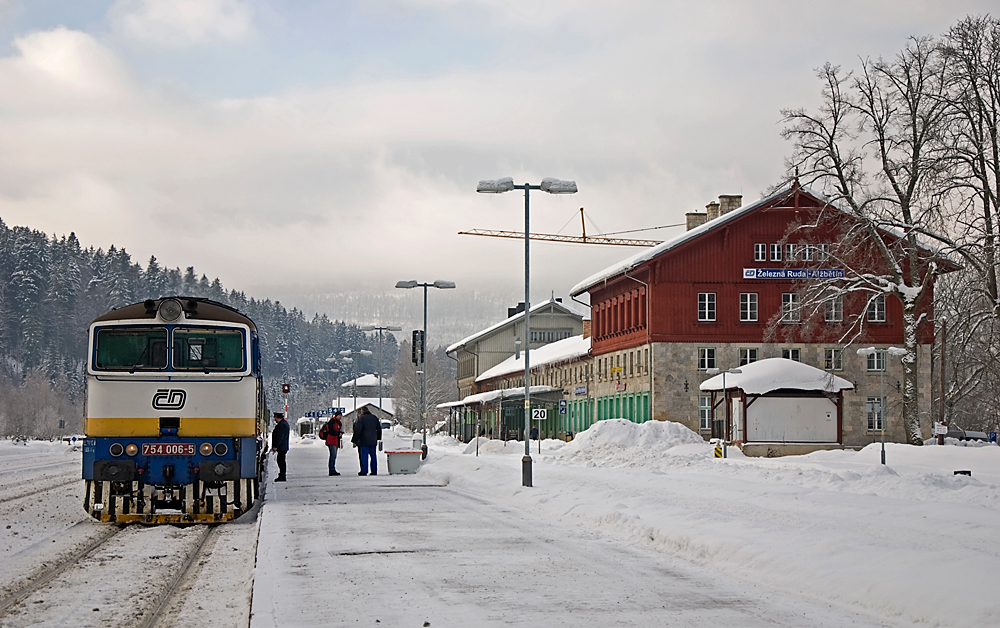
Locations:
(367, 434)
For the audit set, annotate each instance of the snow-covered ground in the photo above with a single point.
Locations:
(909, 543)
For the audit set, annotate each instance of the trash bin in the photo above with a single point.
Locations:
(403, 461)
(418, 442)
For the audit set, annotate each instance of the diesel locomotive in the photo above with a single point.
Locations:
(175, 414)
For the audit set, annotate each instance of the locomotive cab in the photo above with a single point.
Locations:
(175, 413)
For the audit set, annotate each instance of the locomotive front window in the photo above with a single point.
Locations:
(208, 349)
(131, 349)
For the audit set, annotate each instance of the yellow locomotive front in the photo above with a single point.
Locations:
(175, 413)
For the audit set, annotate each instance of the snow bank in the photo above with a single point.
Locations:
(621, 443)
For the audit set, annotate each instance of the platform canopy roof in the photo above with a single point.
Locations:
(770, 374)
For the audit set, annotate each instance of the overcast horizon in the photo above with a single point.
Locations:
(318, 147)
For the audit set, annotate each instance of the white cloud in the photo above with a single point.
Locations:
(179, 23)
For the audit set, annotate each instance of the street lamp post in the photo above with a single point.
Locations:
(895, 351)
(443, 285)
(347, 356)
(552, 186)
(725, 401)
(380, 330)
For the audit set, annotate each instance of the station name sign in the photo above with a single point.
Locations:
(793, 273)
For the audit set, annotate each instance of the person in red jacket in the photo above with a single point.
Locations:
(332, 432)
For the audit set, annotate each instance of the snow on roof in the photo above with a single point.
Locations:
(366, 379)
(493, 395)
(565, 349)
(764, 376)
(648, 254)
(510, 319)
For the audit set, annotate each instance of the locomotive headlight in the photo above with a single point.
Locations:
(170, 310)
(116, 449)
(131, 449)
(206, 449)
(221, 449)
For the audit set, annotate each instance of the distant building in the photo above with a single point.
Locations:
(551, 321)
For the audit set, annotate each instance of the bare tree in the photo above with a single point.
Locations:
(406, 385)
(876, 149)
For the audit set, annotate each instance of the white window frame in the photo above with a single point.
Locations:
(792, 354)
(875, 412)
(875, 362)
(808, 252)
(876, 309)
(760, 252)
(748, 355)
(775, 252)
(791, 252)
(706, 358)
(706, 307)
(704, 413)
(789, 308)
(833, 359)
(823, 253)
(833, 310)
(748, 307)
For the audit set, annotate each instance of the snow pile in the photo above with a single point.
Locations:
(496, 447)
(621, 443)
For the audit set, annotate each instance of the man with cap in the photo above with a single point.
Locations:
(332, 432)
(279, 443)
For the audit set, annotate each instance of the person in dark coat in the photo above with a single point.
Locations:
(367, 434)
(332, 432)
(279, 443)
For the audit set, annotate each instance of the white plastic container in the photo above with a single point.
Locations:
(403, 461)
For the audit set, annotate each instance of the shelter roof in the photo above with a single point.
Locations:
(770, 374)
(498, 395)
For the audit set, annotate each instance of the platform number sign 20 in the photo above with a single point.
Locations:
(539, 414)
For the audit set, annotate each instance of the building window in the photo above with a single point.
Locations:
(706, 358)
(833, 310)
(775, 252)
(706, 306)
(808, 252)
(873, 407)
(792, 354)
(789, 307)
(823, 252)
(876, 309)
(748, 306)
(791, 252)
(760, 252)
(747, 356)
(704, 413)
(876, 361)
(833, 359)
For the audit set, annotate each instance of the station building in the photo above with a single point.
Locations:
(724, 294)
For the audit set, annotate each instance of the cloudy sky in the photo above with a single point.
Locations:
(321, 146)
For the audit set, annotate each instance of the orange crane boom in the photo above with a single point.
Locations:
(554, 237)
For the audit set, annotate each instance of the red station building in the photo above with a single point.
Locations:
(719, 296)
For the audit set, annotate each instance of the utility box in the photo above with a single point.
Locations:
(403, 461)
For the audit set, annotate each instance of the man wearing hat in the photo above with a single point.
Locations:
(279, 443)
(332, 431)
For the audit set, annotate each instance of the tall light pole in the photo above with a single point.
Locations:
(443, 285)
(552, 186)
(894, 351)
(725, 402)
(380, 330)
(346, 356)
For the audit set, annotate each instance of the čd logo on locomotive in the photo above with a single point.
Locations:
(169, 399)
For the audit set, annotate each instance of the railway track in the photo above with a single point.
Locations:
(138, 583)
(36, 491)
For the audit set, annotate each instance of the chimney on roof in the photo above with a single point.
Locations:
(695, 219)
(586, 328)
(511, 311)
(729, 202)
(712, 210)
